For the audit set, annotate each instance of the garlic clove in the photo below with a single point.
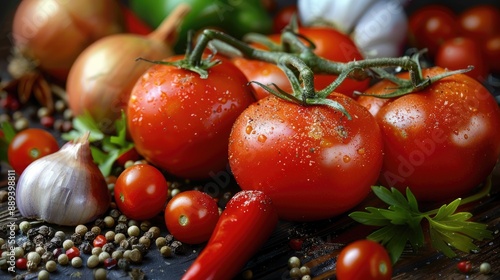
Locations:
(64, 188)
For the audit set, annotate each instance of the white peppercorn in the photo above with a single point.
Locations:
(76, 262)
(92, 261)
(51, 266)
(68, 244)
(63, 259)
(134, 231)
(43, 275)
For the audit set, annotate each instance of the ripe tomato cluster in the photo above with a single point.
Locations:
(457, 40)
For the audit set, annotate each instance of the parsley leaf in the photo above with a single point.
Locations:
(400, 224)
(106, 149)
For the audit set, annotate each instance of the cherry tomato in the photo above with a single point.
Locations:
(141, 192)
(191, 216)
(29, 145)
(492, 52)
(442, 141)
(459, 53)
(430, 26)
(181, 122)
(364, 259)
(246, 223)
(480, 22)
(308, 158)
(283, 17)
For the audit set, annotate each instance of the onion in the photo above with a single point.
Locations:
(65, 188)
(52, 33)
(102, 78)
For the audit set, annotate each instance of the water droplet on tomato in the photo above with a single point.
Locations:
(262, 138)
(248, 129)
(346, 158)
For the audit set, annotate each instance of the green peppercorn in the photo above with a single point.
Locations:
(96, 230)
(293, 262)
(96, 251)
(43, 275)
(51, 266)
(124, 264)
(485, 268)
(24, 226)
(76, 262)
(135, 256)
(119, 237)
(304, 270)
(306, 277)
(63, 259)
(18, 252)
(166, 251)
(109, 221)
(68, 244)
(134, 231)
(155, 230)
(34, 257)
(92, 261)
(295, 273)
(100, 274)
(103, 256)
(145, 225)
(81, 229)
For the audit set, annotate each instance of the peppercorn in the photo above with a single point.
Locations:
(99, 223)
(76, 238)
(43, 275)
(133, 231)
(39, 239)
(122, 219)
(141, 248)
(306, 277)
(169, 238)
(92, 261)
(96, 251)
(96, 230)
(135, 256)
(51, 266)
(68, 244)
(57, 252)
(109, 248)
(56, 241)
(485, 268)
(81, 229)
(114, 213)
(160, 242)
(119, 237)
(109, 222)
(31, 266)
(121, 228)
(149, 235)
(145, 241)
(76, 262)
(34, 257)
(110, 236)
(85, 247)
(166, 251)
(133, 223)
(117, 254)
(63, 259)
(124, 264)
(295, 273)
(100, 274)
(47, 257)
(293, 262)
(145, 225)
(90, 236)
(40, 250)
(132, 240)
(60, 234)
(125, 244)
(179, 248)
(28, 246)
(304, 270)
(24, 226)
(18, 252)
(103, 256)
(155, 230)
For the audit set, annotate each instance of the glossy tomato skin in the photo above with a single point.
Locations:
(460, 52)
(191, 216)
(364, 260)
(29, 145)
(480, 22)
(181, 122)
(308, 159)
(441, 142)
(141, 192)
(492, 51)
(244, 226)
(329, 44)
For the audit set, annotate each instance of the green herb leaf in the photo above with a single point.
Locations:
(401, 224)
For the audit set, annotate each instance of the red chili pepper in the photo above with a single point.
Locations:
(243, 227)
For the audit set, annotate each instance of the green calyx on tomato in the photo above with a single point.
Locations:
(234, 17)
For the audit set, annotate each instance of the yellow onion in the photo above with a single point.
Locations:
(52, 33)
(102, 78)
(64, 188)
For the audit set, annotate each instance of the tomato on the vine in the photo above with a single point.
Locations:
(460, 52)
(191, 216)
(283, 17)
(442, 141)
(141, 192)
(329, 44)
(306, 158)
(492, 52)
(29, 145)
(181, 122)
(364, 259)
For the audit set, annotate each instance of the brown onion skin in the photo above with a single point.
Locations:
(102, 78)
(55, 32)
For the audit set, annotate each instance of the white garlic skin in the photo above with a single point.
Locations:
(64, 188)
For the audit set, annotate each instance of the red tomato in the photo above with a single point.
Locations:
(191, 216)
(492, 52)
(364, 259)
(283, 17)
(442, 141)
(29, 145)
(431, 26)
(308, 159)
(480, 22)
(181, 122)
(141, 192)
(246, 223)
(330, 44)
(459, 53)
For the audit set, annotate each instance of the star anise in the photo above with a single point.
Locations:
(31, 83)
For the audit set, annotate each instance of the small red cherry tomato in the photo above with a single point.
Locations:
(480, 22)
(364, 259)
(492, 51)
(29, 145)
(191, 216)
(141, 192)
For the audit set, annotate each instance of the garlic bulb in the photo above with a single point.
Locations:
(65, 188)
(378, 27)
